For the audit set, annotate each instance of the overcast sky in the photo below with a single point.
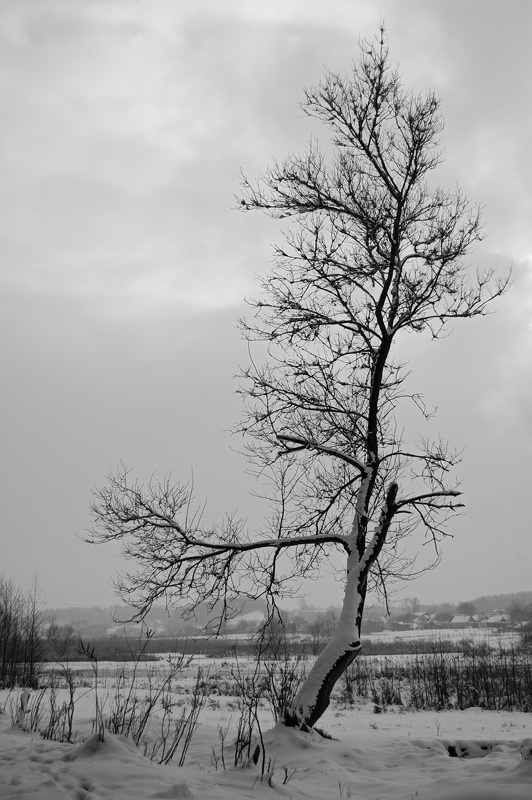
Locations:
(124, 266)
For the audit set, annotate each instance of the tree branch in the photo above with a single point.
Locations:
(331, 451)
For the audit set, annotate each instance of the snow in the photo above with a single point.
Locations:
(394, 755)
(493, 638)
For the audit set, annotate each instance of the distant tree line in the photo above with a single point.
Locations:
(28, 636)
(98, 623)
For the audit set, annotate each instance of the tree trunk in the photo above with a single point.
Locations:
(313, 697)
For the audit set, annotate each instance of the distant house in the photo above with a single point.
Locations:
(497, 621)
(463, 621)
(522, 625)
(420, 621)
(439, 620)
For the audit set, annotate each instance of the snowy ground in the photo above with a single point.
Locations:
(397, 755)
(493, 637)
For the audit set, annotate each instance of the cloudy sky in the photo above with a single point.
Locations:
(124, 266)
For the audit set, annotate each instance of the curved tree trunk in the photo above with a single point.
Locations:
(296, 716)
(313, 697)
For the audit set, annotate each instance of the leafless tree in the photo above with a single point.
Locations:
(22, 630)
(61, 641)
(322, 628)
(374, 251)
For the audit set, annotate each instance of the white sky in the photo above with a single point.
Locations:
(124, 267)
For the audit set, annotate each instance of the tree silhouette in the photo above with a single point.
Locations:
(374, 252)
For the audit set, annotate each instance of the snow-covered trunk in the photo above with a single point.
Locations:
(313, 697)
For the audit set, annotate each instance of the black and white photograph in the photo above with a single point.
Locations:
(266, 407)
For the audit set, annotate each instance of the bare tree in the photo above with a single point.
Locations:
(61, 641)
(322, 628)
(374, 251)
(22, 625)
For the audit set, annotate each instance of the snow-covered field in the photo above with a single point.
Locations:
(396, 755)
(491, 636)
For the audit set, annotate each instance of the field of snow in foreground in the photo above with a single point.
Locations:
(395, 755)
